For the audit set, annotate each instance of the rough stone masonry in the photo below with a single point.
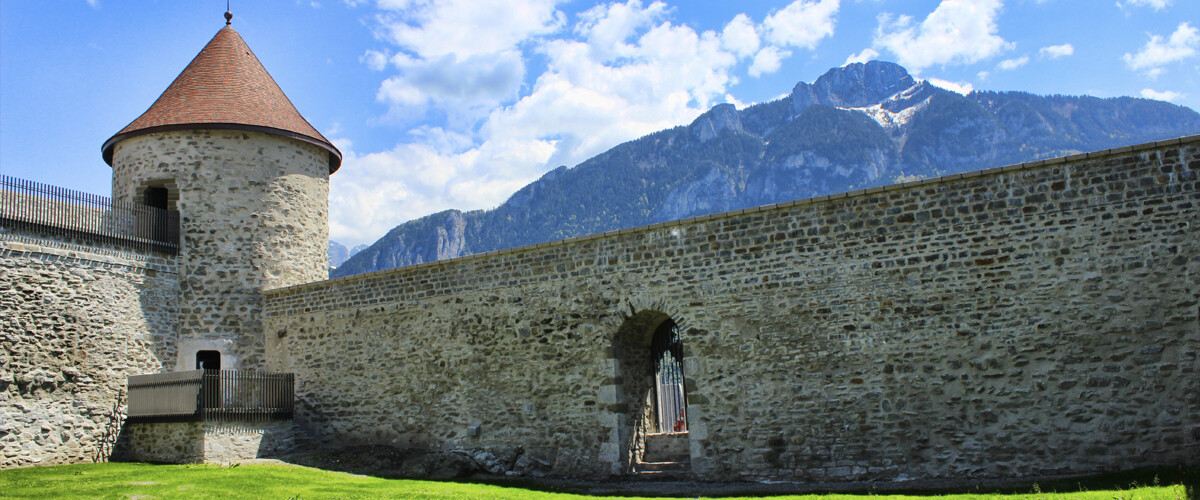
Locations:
(1033, 319)
(75, 320)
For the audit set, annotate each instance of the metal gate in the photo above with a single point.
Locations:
(670, 400)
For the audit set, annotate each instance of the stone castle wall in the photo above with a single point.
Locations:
(254, 215)
(75, 320)
(1034, 319)
(208, 441)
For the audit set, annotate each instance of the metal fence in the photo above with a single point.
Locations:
(666, 348)
(210, 395)
(64, 212)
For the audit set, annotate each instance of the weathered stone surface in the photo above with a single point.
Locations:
(1038, 319)
(207, 442)
(74, 321)
(254, 215)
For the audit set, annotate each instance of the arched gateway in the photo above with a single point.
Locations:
(651, 397)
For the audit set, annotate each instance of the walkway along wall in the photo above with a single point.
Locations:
(75, 320)
(1034, 319)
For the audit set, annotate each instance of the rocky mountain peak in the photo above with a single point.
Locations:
(854, 85)
(710, 124)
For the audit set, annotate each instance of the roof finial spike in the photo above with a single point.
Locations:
(228, 14)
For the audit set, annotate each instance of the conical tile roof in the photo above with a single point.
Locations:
(225, 87)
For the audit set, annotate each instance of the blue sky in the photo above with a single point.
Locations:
(458, 103)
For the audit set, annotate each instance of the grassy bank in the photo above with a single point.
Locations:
(146, 481)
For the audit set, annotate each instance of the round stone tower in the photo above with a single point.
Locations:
(250, 178)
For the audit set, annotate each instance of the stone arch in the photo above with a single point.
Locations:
(633, 384)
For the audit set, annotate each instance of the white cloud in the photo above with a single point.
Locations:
(1156, 53)
(956, 32)
(1166, 95)
(867, 54)
(622, 71)
(1057, 51)
(983, 75)
(477, 80)
(95, 4)
(1011, 64)
(768, 60)
(375, 60)
(740, 37)
(457, 56)
(1156, 4)
(729, 98)
(667, 76)
(465, 27)
(963, 88)
(608, 28)
(803, 23)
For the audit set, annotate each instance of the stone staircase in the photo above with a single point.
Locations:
(666, 457)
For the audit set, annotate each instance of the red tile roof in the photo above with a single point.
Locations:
(225, 87)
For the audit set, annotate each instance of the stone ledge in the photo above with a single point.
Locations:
(53, 249)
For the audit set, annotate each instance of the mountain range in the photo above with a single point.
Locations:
(855, 127)
(338, 253)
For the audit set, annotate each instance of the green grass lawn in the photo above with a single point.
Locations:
(146, 481)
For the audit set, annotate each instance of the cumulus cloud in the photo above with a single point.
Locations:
(459, 56)
(620, 71)
(740, 37)
(465, 27)
(729, 98)
(768, 60)
(460, 84)
(1057, 51)
(374, 59)
(1156, 4)
(1166, 95)
(416, 179)
(1011, 64)
(963, 88)
(803, 23)
(608, 28)
(956, 32)
(867, 54)
(1157, 52)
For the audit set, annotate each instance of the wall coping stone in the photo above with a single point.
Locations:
(58, 249)
(1030, 165)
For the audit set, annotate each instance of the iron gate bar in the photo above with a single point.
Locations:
(666, 348)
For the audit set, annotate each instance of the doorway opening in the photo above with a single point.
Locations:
(208, 360)
(670, 398)
(651, 395)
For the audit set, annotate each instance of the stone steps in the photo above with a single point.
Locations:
(665, 457)
(663, 470)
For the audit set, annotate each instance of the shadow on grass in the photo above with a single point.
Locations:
(1189, 477)
(397, 464)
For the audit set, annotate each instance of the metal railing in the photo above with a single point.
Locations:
(210, 395)
(63, 212)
